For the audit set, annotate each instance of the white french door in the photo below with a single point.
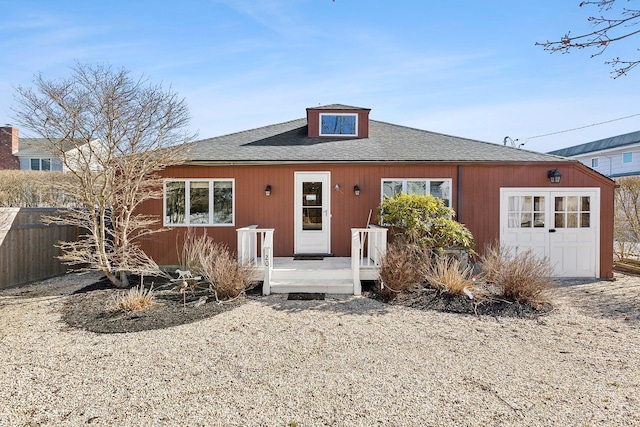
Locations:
(561, 224)
(312, 217)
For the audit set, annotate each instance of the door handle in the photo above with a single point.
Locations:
(552, 230)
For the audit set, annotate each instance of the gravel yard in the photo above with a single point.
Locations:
(349, 361)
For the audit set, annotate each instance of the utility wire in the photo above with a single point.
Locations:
(578, 128)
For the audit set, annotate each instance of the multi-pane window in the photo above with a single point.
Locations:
(526, 211)
(338, 124)
(627, 157)
(595, 162)
(440, 188)
(40, 164)
(199, 202)
(572, 212)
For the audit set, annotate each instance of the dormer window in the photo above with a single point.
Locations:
(338, 124)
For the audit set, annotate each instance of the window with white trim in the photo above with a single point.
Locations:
(40, 164)
(595, 162)
(627, 157)
(336, 124)
(199, 202)
(440, 188)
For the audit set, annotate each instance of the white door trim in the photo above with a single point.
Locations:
(312, 241)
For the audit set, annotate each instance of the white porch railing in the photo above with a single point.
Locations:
(368, 245)
(251, 238)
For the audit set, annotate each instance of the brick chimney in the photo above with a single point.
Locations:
(8, 146)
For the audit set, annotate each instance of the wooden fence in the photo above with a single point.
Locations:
(27, 246)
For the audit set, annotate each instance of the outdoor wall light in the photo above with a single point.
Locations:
(267, 191)
(356, 190)
(554, 176)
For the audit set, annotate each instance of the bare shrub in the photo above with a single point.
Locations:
(403, 267)
(28, 189)
(447, 275)
(491, 261)
(525, 277)
(225, 276)
(135, 299)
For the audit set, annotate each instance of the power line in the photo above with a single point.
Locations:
(581, 127)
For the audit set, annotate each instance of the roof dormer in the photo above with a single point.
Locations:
(338, 121)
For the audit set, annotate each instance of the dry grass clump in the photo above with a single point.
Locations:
(525, 276)
(225, 276)
(135, 299)
(403, 267)
(447, 275)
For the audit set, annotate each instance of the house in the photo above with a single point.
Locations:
(614, 157)
(311, 186)
(33, 153)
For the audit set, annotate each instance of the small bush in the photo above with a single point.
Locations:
(225, 276)
(447, 275)
(135, 299)
(425, 220)
(402, 267)
(525, 277)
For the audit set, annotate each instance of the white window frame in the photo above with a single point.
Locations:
(40, 159)
(595, 162)
(187, 204)
(630, 154)
(427, 182)
(337, 134)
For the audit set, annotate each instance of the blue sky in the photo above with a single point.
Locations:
(464, 68)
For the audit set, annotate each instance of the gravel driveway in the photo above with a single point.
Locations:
(348, 361)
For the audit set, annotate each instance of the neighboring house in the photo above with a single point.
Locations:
(614, 157)
(311, 185)
(32, 153)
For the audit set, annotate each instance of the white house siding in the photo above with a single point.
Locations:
(610, 162)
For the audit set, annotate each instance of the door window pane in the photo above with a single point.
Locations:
(312, 205)
(572, 212)
(585, 205)
(199, 199)
(530, 210)
(559, 220)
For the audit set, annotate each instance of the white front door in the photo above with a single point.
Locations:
(562, 224)
(312, 216)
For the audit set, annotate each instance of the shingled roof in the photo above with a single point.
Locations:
(600, 145)
(289, 142)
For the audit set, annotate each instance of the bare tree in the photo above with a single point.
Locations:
(627, 217)
(114, 134)
(610, 26)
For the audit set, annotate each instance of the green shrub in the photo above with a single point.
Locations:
(425, 220)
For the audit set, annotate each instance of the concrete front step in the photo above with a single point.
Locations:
(325, 286)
